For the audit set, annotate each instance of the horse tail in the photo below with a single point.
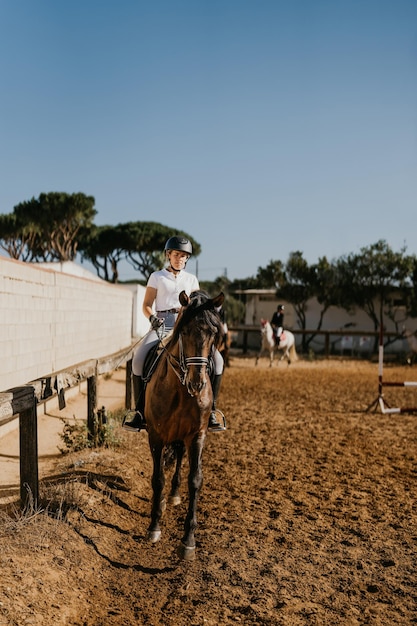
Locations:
(171, 453)
(293, 352)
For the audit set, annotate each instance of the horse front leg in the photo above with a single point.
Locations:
(195, 482)
(158, 483)
(174, 495)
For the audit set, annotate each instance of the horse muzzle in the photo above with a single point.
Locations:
(195, 387)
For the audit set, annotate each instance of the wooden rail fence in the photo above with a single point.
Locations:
(247, 330)
(23, 401)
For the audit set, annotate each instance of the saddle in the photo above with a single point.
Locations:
(282, 337)
(153, 356)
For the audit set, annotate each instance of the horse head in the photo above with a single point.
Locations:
(264, 323)
(198, 331)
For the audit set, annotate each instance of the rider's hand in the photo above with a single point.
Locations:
(156, 322)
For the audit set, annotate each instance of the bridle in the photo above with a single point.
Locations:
(180, 365)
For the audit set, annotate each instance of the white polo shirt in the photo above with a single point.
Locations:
(169, 286)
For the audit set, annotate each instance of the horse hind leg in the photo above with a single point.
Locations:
(260, 353)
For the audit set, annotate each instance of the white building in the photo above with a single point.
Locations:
(262, 303)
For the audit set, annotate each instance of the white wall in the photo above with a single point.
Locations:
(140, 324)
(51, 320)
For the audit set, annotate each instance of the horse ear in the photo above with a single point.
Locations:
(218, 300)
(184, 299)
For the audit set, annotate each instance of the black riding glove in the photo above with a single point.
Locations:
(156, 322)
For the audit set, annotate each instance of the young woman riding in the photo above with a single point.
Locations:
(161, 306)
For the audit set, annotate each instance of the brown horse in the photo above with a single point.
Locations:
(178, 402)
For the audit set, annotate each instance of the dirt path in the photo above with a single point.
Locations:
(307, 516)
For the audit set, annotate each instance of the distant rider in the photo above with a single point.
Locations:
(277, 323)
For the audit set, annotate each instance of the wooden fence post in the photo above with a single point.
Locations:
(91, 407)
(128, 394)
(28, 436)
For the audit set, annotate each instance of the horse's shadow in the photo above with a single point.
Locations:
(103, 483)
(116, 564)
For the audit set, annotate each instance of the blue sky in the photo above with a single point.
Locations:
(259, 127)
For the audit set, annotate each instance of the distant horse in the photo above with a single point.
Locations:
(286, 344)
(178, 403)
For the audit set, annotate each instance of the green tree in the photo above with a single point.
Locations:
(412, 297)
(234, 308)
(271, 276)
(240, 284)
(105, 247)
(297, 286)
(55, 221)
(17, 237)
(367, 280)
(325, 285)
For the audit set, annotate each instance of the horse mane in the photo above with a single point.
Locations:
(202, 306)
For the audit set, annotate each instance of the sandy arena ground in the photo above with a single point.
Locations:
(307, 515)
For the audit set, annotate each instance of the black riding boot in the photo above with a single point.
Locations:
(137, 421)
(214, 426)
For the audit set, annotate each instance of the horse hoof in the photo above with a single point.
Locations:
(174, 500)
(186, 553)
(154, 536)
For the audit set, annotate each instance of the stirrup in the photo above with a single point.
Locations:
(217, 427)
(134, 421)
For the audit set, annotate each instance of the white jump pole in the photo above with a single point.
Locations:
(383, 405)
